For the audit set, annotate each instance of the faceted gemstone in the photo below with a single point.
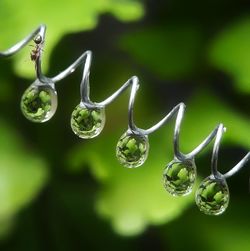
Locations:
(179, 177)
(39, 103)
(86, 122)
(212, 196)
(132, 149)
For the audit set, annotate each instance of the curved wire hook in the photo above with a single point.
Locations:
(86, 57)
(214, 161)
(177, 153)
(41, 31)
(179, 110)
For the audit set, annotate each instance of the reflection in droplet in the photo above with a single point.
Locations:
(132, 149)
(86, 122)
(212, 196)
(179, 177)
(39, 103)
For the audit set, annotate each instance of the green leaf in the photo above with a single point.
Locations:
(61, 17)
(22, 173)
(171, 51)
(230, 52)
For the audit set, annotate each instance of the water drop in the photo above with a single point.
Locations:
(86, 122)
(39, 102)
(212, 196)
(179, 177)
(132, 149)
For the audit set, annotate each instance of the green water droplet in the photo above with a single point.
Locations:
(132, 150)
(39, 103)
(179, 177)
(212, 196)
(87, 123)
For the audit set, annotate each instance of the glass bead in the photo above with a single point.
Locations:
(86, 122)
(179, 177)
(132, 149)
(39, 103)
(212, 196)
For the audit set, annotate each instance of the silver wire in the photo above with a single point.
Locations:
(214, 160)
(237, 167)
(179, 110)
(177, 153)
(18, 46)
(41, 30)
(132, 128)
(86, 59)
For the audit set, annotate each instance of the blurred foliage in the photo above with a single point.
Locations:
(6, 90)
(230, 52)
(169, 51)
(58, 192)
(210, 233)
(61, 17)
(22, 174)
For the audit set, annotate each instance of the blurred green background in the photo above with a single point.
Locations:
(58, 192)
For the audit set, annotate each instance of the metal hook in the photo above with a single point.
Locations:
(214, 161)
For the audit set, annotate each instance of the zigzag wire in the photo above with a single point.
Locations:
(85, 59)
(232, 171)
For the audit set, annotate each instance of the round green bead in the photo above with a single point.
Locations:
(39, 103)
(86, 122)
(179, 177)
(132, 150)
(212, 196)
